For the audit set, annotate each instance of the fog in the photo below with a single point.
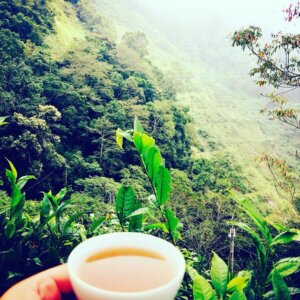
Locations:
(209, 23)
(200, 29)
(196, 34)
(265, 13)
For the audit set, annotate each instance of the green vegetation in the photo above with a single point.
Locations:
(68, 123)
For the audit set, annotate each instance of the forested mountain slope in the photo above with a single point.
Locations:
(212, 80)
(70, 77)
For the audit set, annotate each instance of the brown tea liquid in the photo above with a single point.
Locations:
(126, 270)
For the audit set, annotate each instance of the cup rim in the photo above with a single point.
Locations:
(96, 290)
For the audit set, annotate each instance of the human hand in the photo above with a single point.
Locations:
(48, 285)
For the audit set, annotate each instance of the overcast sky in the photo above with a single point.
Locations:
(234, 13)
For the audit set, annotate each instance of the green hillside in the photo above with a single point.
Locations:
(107, 124)
(222, 99)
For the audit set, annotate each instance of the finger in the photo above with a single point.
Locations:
(61, 277)
(47, 285)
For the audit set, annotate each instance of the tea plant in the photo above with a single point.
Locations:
(269, 273)
(157, 214)
(222, 284)
(28, 245)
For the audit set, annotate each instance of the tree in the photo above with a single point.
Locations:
(292, 12)
(278, 65)
(136, 41)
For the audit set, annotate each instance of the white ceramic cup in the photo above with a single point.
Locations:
(85, 291)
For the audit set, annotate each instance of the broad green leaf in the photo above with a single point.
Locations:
(202, 289)
(257, 217)
(153, 161)
(237, 284)
(162, 185)
(147, 142)
(23, 180)
(173, 223)
(238, 295)
(137, 140)
(13, 169)
(11, 178)
(192, 272)
(219, 275)
(45, 208)
(125, 202)
(138, 126)
(286, 267)
(10, 229)
(280, 288)
(286, 237)
(136, 221)
(19, 206)
(96, 224)
(143, 143)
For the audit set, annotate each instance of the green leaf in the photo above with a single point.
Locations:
(119, 138)
(237, 284)
(238, 295)
(202, 289)
(172, 224)
(162, 185)
(277, 226)
(285, 267)
(23, 180)
(125, 202)
(136, 221)
(286, 237)
(11, 178)
(60, 195)
(137, 140)
(120, 134)
(257, 217)
(17, 209)
(153, 161)
(142, 143)
(45, 208)
(192, 272)
(219, 275)
(10, 229)
(280, 288)
(138, 126)
(13, 169)
(96, 224)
